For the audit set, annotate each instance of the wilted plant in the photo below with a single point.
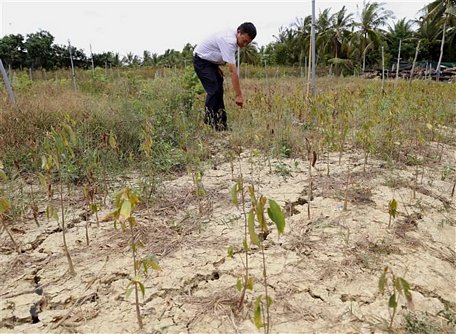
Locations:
(124, 202)
(89, 191)
(392, 210)
(200, 192)
(59, 150)
(109, 144)
(247, 281)
(5, 206)
(397, 287)
(257, 212)
(312, 159)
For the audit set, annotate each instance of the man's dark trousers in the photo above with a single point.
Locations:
(212, 80)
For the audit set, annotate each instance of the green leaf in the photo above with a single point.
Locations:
(405, 284)
(151, 261)
(250, 283)
(245, 245)
(128, 292)
(252, 195)
(251, 224)
(51, 213)
(132, 221)
(392, 208)
(382, 281)
(269, 301)
(239, 284)
(392, 303)
(4, 205)
(234, 194)
(112, 141)
(398, 285)
(94, 208)
(276, 215)
(69, 133)
(260, 213)
(43, 162)
(3, 175)
(125, 210)
(257, 319)
(142, 288)
(230, 251)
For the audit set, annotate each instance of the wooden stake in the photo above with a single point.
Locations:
(9, 89)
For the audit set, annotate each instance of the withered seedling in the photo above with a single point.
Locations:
(392, 211)
(261, 314)
(124, 202)
(5, 206)
(59, 145)
(396, 287)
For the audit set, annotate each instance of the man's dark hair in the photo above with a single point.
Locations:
(248, 28)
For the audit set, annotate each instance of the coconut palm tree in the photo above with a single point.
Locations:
(339, 32)
(401, 31)
(249, 54)
(442, 13)
(372, 18)
(323, 25)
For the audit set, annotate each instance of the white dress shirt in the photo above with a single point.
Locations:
(219, 48)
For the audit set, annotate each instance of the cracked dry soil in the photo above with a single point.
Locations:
(323, 272)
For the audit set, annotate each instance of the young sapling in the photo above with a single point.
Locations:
(124, 202)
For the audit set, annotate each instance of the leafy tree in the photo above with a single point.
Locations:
(12, 50)
(39, 50)
(106, 59)
(187, 53)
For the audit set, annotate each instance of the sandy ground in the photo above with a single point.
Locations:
(322, 273)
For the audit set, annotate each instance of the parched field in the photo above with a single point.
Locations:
(354, 147)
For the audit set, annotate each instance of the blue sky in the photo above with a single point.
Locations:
(155, 26)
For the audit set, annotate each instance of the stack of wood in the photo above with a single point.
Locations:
(446, 74)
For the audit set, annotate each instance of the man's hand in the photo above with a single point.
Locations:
(239, 100)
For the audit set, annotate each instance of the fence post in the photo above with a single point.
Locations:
(9, 89)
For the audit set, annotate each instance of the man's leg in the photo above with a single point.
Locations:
(221, 113)
(208, 74)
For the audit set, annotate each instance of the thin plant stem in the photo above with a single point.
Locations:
(265, 282)
(10, 235)
(138, 311)
(67, 252)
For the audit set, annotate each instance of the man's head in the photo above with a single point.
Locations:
(246, 32)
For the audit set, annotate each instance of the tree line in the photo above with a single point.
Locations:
(343, 39)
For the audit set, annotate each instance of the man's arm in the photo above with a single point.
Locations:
(236, 85)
